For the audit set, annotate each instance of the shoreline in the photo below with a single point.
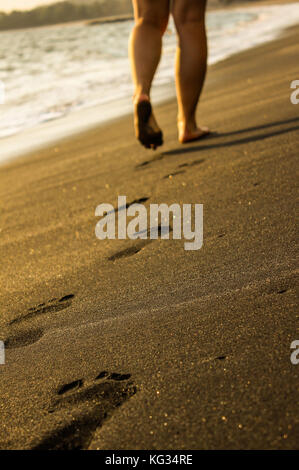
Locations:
(116, 18)
(52, 132)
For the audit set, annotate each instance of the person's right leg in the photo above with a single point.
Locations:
(191, 64)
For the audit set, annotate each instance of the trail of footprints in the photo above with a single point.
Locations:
(89, 404)
(23, 338)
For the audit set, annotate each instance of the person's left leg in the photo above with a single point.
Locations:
(151, 18)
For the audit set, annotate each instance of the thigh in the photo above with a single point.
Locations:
(188, 10)
(152, 10)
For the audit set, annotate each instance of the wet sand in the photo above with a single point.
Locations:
(123, 344)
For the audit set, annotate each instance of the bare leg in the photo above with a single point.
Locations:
(191, 65)
(151, 18)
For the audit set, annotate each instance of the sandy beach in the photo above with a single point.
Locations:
(123, 344)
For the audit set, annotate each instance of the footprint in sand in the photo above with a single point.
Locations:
(174, 173)
(90, 404)
(149, 162)
(133, 250)
(20, 338)
(53, 305)
(23, 339)
(194, 163)
(141, 200)
(179, 170)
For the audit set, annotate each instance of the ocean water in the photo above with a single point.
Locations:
(51, 72)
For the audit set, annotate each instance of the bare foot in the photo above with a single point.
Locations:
(191, 133)
(146, 128)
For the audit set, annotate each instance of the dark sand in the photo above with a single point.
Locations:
(202, 337)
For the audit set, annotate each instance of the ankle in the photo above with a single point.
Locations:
(186, 124)
(139, 97)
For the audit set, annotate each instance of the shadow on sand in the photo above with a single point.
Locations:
(245, 140)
